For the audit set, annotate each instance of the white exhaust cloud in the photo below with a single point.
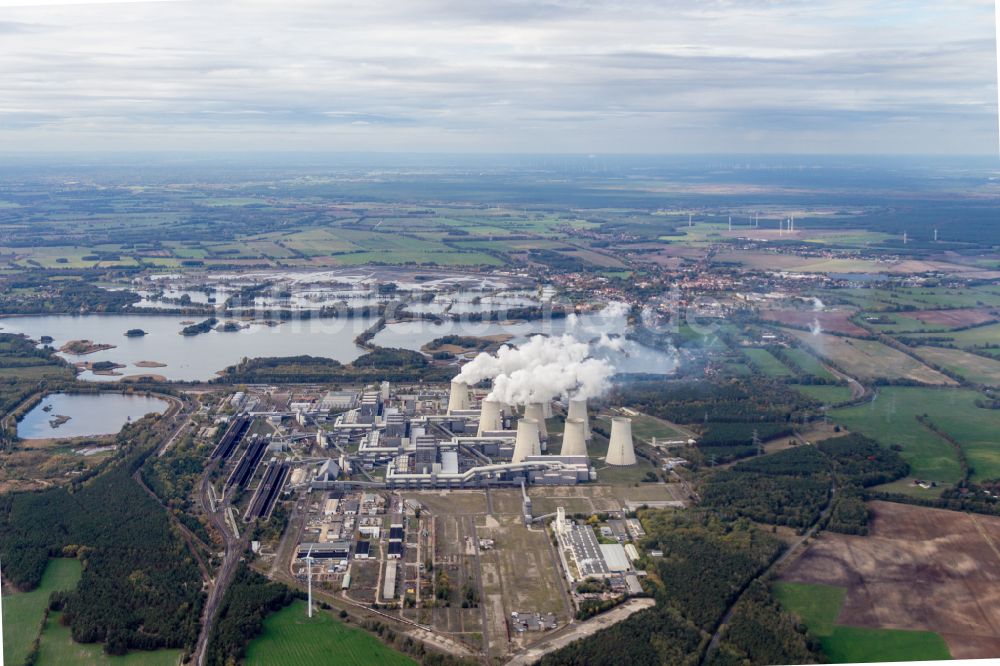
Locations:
(544, 368)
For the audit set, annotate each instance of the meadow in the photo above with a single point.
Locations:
(23, 612)
(767, 363)
(971, 367)
(828, 394)
(57, 648)
(290, 637)
(869, 359)
(892, 419)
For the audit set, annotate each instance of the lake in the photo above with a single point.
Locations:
(89, 414)
(190, 358)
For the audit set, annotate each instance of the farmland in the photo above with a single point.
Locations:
(971, 367)
(23, 612)
(58, 648)
(766, 362)
(825, 393)
(870, 360)
(892, 419)
(922, 570)
(836, 321)
(290, 637)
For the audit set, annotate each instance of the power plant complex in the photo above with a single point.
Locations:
(475, 441)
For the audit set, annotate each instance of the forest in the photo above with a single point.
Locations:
(140, 587)
(393, 365)
(707, 562)
(250, 598)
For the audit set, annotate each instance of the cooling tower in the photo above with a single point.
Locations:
(574, 443)
(489, 417)
(547, 409)
(534, 410)
(459, 397)
(578, 410)
(620, 449)
(526, 444)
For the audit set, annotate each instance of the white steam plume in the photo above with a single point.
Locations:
(541, 369)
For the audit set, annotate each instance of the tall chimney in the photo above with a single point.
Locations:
(526, 444)
(489, 417)
(620, 449)
(578, 410)
(574, 443)
(458, 399)
(534, 410)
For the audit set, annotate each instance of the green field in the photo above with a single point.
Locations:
(22, 613)
(828, 394)
(22, 622)
(58, 649)
(891, 419)
(291, 638)
(817, 606)
(858, 644)
(971, 337)
(767, 363)
(808, 363)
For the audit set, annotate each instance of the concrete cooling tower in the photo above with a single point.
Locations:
(574, 442)
(526, 443)
(535, 411)
(620, 449)
(489, 418)
(578, 410)
(458, 399)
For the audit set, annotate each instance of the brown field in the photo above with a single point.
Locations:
(954, 318)
(870, 359)
(837, 321)
(923, 569)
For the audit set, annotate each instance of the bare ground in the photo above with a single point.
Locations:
(919, 568)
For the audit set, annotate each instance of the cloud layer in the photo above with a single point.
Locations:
(503, 76)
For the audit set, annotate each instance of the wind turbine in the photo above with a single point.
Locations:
(309, 575)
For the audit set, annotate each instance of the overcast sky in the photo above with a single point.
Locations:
(583, 76)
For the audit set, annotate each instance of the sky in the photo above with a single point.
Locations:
(500, 76)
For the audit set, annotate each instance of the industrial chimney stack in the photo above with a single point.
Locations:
(620, 449)
(574, 443)
(458, 399)
(526, 443)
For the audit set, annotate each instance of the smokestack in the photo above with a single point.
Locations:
(534, 410)
(620, 449)
(578, 410)
(574, 443)
(489, 417)
(526, 443)
(458, 399)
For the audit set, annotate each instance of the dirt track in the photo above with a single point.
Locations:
(918, 569)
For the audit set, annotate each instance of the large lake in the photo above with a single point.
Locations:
(200, 357)
(190, 358)
(625, 356)
(89, 415)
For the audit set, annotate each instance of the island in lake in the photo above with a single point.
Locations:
(134, 333)
(83, 347)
